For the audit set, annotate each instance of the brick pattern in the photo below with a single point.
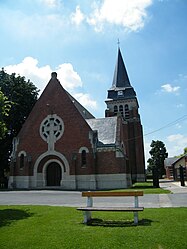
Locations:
(132, 136)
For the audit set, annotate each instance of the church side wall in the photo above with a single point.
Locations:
(108, 163)
(78, 182)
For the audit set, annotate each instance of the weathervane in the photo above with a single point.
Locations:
(118, 43)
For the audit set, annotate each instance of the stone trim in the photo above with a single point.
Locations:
(22, 152)
(70, 182)
(106, 149)
(53, 153)
(83, 148)
(44, 171)
(51, 130)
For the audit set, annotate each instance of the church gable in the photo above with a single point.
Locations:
(56, 108)
(54, 134)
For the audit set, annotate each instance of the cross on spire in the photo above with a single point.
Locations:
(118, 43)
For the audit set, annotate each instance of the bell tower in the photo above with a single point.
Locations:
(121, 96)
(122, 101)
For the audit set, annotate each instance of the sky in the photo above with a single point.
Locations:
(79, 40)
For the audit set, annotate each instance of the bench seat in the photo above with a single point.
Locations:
(113, 209)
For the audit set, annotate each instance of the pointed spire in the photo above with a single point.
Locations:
(121, 78)
(121, 87)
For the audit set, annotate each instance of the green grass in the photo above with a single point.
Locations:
(46, 227)
(146, 187)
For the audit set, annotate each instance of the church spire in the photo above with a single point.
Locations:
(121, 78)
(121, 96)
(121, 87)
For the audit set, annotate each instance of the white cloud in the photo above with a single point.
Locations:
(30, 69)
(52, 17)
(77, 17)
(129, 14)
(175, 137)
(86, 100)
(40, 76)
(176, 144)
(147, 148)
(50, 3)
(68, 77)
(170, 89)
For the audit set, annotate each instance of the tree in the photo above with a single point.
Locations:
(5, 106)
(184, 152)
(23, 95)
(158, 154)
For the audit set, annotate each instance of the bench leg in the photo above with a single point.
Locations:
(136, 218)
(87, 216)
(136, 204)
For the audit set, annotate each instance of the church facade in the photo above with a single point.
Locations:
(62, 145)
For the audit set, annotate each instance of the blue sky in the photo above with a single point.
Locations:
(78, 40)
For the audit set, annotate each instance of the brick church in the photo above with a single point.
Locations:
(62, 145)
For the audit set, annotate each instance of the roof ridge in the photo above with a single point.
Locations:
(113, 117)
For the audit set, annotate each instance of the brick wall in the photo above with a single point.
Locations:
(76, 131)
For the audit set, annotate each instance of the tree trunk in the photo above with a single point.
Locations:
(155, 178)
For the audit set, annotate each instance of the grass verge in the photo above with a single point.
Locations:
(146, 187)
(46, 227)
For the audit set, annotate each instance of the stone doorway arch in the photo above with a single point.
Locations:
(53, 174)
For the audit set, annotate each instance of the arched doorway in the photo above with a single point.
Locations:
(54, 174)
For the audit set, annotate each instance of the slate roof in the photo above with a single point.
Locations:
(121, 78)
(179, 158)
(83, 111)
(121, 82)
(106, 128)
(170, 160)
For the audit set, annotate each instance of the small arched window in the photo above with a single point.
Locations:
(21, 162)
(121, 109)
(83, 158)
(115, 110)
(126, 111)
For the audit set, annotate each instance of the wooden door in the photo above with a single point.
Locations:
(54, 174)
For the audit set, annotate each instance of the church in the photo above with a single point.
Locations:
(62, 145)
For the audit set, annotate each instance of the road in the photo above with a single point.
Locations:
(73, 198)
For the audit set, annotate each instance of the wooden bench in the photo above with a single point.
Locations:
(87, 210)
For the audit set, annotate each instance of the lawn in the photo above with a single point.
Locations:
(146, 187)
(47, 227)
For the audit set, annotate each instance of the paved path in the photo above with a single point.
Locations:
(174, 187)
(74, 199)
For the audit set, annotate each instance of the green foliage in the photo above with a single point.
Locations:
(23, 95)
(158, 154)
(45, 227)
(184, 153)
(5, 106)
